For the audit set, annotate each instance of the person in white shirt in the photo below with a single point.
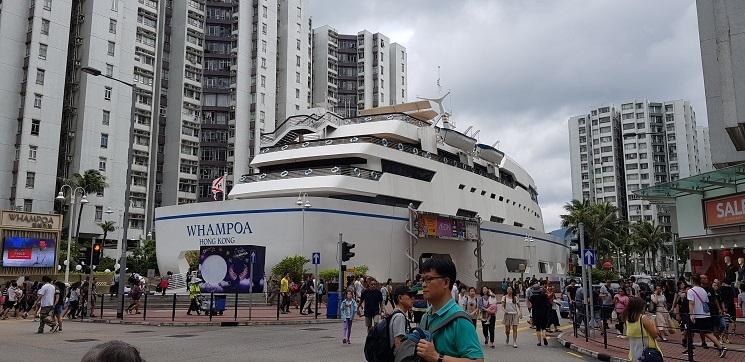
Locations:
(702, 322)
(46, 299)
(454, 291)
(13, 299)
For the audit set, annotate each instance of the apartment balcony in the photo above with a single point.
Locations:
(186, 195)
(138, 188)
(139, 168)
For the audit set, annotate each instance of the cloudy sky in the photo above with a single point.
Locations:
(519, 69)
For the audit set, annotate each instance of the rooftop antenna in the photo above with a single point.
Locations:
(443, 114)
(475, 133)
(494, 145)
(467, 130)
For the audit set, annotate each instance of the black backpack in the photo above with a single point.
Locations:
(378, 341)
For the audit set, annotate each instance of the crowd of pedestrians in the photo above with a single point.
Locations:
(48, 301)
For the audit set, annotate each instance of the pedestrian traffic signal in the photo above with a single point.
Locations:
(346, 251)
(97, 252)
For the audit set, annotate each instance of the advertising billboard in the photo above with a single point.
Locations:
(724, 211)
(232, 268)
(29, 252)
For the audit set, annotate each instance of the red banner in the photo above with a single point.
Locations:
(725, 211)
(19, 253)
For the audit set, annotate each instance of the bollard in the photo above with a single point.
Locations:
(315, 313)
(122, 301)
(689, 341)
(212, 306)
(235, 316)
(587, 331)
(605, 333)
(144, 312)
(250, 307)
(278, 306)
(173, 308)
(100, 315)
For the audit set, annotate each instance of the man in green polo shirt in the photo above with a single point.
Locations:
(458, 341)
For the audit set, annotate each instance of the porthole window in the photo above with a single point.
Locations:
(335, 169)
(308, 172)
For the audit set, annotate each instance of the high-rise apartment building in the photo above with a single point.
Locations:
(722, 37)
(617, 150)
(33, 38)
(257, 73)
(124, 40)
(356, 72)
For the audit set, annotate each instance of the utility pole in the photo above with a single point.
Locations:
(586, 274)
(341, 276)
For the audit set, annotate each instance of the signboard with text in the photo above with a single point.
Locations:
(724, 211)
(430, 225)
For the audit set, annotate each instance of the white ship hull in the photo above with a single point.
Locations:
(378, 231)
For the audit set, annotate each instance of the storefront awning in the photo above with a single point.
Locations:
(728, 177)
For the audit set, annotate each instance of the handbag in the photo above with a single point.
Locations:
(705, 305)
(649, 353)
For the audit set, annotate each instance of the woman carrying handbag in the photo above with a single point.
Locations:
(641, 331)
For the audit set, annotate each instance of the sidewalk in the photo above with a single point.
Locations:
(672, 350)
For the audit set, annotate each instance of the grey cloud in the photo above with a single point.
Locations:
(519, 69)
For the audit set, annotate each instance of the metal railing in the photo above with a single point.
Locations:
(313, 172)
(589, 327)
(403, 147)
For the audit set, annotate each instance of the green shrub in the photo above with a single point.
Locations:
(293, 265)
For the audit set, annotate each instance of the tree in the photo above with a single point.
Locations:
(143, 258)
(649, 239)
(330, 275)
(192, 257)
(295, 265)
(74, 254)
(106, 227)
(601, 223)
(93, 182)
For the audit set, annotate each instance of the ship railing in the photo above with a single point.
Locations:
(346, 170)
(400, 146)
(315, 122)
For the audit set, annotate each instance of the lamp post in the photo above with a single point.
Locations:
(128, 182)
(528, 245)
(304, 203)
(70, 216)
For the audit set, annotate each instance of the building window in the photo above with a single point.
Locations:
(40, 76)
(262, 97)
(112, 48)
(27, 205)
(32, 152)
(264, 11)
(112, 26)
(42, 51)
(297, 93)
(30, 179)
(114, 5)
(297, 60)
(107, 93)
(263, 46)
(104, 140)
(44, 27)
(297, 77)
(263, 81)
(102, 163)
(109, 70)
(35, 127)
(298, 44)
(263, 28)
(106, 118)
(99, 213)
(263, 63)
(47, 4)
(37, 100)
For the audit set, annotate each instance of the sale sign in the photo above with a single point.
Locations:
(725, 211)
(19, 254)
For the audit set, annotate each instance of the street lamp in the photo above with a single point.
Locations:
(304, 203)
(128, 182)
(70, 216)
(529, 244)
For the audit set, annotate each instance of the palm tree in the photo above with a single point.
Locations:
(106, 227)
(649, 239)
(578, 212)
(603, 226)
(93, 182)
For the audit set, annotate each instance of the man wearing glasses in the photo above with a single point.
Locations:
(458, 340)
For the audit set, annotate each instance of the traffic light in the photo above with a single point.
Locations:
(85, 255)
(346, 251)
(97, 252)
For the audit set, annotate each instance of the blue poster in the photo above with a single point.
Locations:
(232, 268)
(29, 252)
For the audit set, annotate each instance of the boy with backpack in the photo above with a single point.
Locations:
(386, 336)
